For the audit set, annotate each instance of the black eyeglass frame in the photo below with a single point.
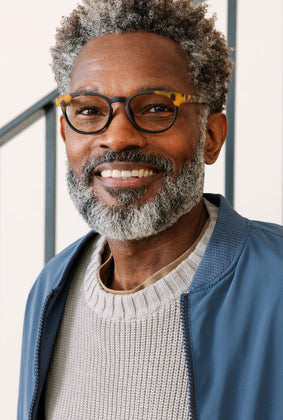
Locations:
(176, 97)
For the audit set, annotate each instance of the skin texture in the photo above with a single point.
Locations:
(121, 65)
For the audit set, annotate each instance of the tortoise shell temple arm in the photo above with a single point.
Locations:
(187, 98)
(181, 98)
(63, 100)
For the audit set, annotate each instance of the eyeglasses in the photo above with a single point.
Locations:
(152, 111)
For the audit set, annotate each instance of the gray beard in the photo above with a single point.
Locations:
(127, 220)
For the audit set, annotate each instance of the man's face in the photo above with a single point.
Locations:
(122, 65)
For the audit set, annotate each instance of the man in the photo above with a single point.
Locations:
(171, 307)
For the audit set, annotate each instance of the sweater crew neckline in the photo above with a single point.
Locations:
(144, 302)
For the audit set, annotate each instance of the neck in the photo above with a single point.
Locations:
(137, 260)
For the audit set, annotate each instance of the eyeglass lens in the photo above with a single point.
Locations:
(90, 113)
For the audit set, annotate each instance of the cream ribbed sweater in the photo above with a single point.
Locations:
(121, 357)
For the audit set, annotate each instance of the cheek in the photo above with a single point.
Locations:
(179, 148)
(187, 137)
(78, 150)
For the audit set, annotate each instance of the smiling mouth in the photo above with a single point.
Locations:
(127, 178)
(126, 174)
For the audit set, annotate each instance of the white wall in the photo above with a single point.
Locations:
(26, 32)
(259, 110)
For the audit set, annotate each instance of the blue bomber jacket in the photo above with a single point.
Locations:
(232, 319)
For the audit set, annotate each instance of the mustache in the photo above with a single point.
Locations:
(160, 162)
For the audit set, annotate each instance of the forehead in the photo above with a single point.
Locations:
(121, 64)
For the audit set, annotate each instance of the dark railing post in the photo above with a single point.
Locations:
(50, 181)
(230, 144)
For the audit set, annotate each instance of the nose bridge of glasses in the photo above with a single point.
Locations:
(114, 99)
(125, 100)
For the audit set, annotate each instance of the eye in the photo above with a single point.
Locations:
(88, 111)
(158, 108)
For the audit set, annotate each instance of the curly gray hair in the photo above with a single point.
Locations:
(206, 49)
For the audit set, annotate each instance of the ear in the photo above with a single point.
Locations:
(63, 128)
(216, 133)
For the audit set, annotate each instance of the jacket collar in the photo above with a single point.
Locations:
(225, 244)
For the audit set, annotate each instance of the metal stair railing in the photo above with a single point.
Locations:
(231, 106)
(44, 107)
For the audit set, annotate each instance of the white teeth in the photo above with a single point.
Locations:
(106, 174)
(136, 173)
(116, 174)
(126, 174)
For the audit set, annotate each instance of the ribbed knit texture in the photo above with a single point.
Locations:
(121, 357)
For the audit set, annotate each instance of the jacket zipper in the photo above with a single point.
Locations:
(37, 351)
(42, 318)
(188, 354)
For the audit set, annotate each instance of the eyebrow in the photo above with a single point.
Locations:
(166, 88)
(87, 90)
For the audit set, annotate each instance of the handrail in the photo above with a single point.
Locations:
(26, 118)
(44, 106)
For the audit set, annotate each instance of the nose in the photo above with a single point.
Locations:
(121, 134)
